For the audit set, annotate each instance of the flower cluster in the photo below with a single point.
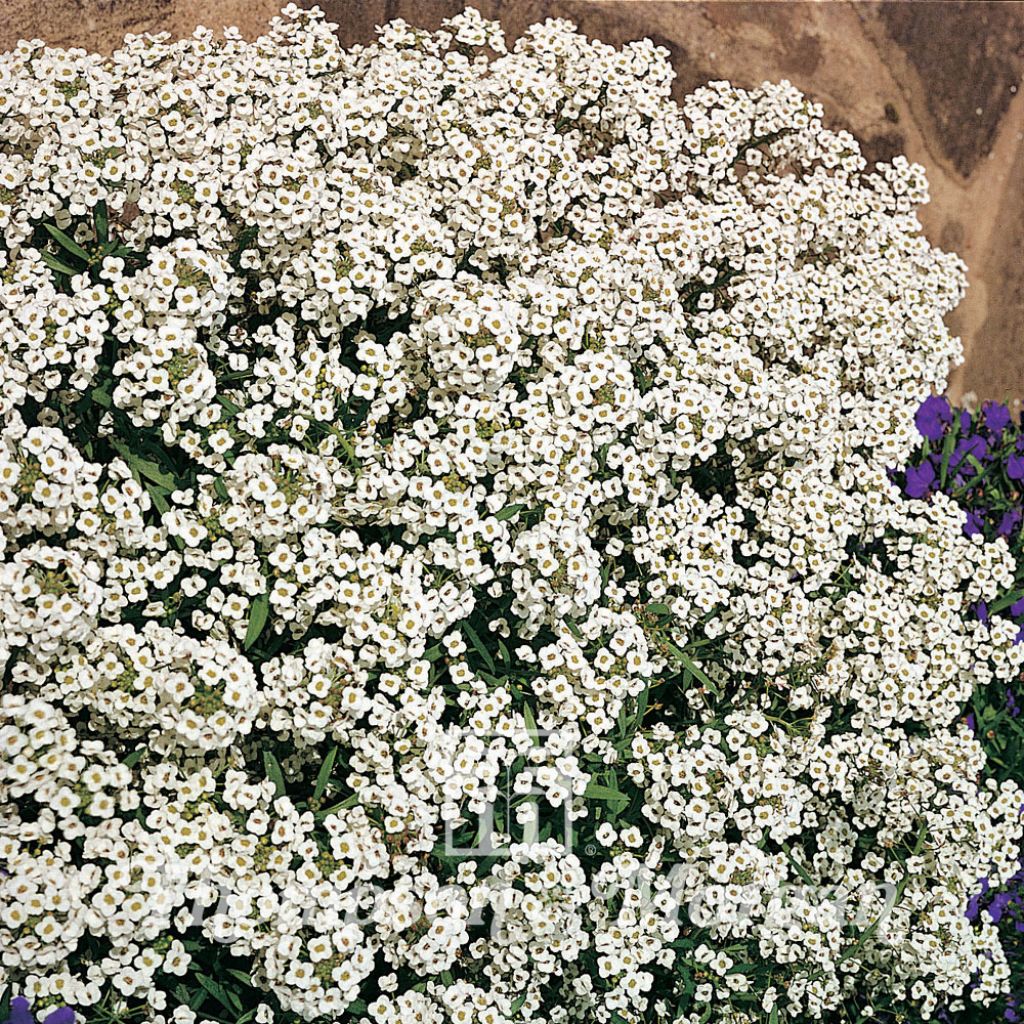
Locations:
(977, 458)
(449, 564)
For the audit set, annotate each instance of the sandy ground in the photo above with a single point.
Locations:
(940, 81)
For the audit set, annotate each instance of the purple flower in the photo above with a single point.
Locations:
(997, 416)
(972, 445)
(1015, 467)
(919, 480)
(1011, 704)
(998, 906)
(21, 1014)
(974, 904)
(980, 608)
(933, 417)
(971, 722)
(1009, 523)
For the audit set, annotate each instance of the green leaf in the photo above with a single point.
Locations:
(800, 869)
(257, 619)
(67, 242)
(478, 646)
(947, 451)
(159, 498)
(518, 1004)
(241, 976)
(612, 797)
(691, 666)
(503, 651)
(531, 724)
(325, 772)
(274, 773)
(102, 221)
(55, 264)
(143, 467)
(1006, 601)
(101, 395)
(133, 758)
(233, 1005)
(508, 512)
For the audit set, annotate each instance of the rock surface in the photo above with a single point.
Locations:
(939, 81)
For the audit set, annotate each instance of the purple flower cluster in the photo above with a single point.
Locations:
(963, 452)
(20, 1013)
(1007, 906)
(978, 460)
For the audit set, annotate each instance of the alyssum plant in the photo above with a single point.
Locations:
(446, 534)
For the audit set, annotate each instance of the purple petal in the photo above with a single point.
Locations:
(919, 480)
(62, 1015)
(20, 1013)
(933, 417)
(1007, 525)
(997, 416)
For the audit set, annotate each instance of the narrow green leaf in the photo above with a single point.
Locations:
(947, 451)
(274, 773)
(325, 772)
(101, 395)
(478, 646)
(241, 976)
(506, 658)
(691, 666)
(143, 467)
(67, 242)
(531, 724)
(257, 619)
(1006, 601)
(133, 758)
(595, 791)
(800, 869)
(55, 264)
(219, 993)
(102, 221)
(508, 512)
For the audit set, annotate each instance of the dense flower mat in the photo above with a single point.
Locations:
(451, 564)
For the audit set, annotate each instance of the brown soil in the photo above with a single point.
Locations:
(940, 81)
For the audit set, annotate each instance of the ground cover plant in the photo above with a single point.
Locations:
(454, 558)
(977, 458)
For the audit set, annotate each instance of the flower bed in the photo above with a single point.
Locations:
(450, 568)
